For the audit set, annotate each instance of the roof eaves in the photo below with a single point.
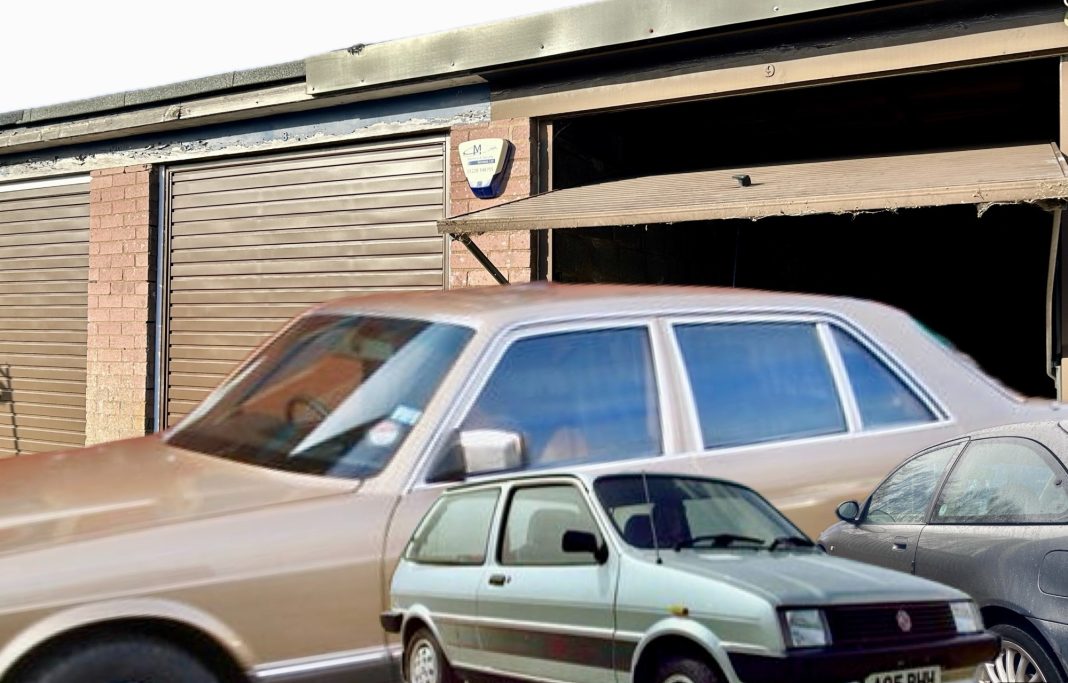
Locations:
(265, 75)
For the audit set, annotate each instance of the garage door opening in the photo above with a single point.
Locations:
(987, 106)
(978, 281)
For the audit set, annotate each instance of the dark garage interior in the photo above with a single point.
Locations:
(978, 278)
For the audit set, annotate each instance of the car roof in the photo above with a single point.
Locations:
(585, 478)
(535, 301)
(1042, 430)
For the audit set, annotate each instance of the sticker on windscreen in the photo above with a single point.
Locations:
(385, 433)
(405, 415)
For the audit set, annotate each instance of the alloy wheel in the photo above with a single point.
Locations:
(1013, 665)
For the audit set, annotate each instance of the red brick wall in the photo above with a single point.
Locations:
(122, 220)
(509, 251)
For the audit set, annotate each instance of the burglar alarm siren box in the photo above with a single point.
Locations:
(484, 162)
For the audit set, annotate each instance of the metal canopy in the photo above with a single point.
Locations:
(1026, 173)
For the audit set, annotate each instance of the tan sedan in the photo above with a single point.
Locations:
(255, 541)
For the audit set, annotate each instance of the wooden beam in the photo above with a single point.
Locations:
(989, 40)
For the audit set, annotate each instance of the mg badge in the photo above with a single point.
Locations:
(904, 621)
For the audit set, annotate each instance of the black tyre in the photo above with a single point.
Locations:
(117, 659)
(1022, 658)
(424, 662)
(684, 670)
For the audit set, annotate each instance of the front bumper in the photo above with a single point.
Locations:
(828, 665)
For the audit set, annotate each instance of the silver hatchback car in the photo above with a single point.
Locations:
(659, 579)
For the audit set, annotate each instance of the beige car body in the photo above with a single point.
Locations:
(275, 576)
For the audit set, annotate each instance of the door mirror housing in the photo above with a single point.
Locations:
(849, 511)
(584, 542)
(479, 451)
(490, 450)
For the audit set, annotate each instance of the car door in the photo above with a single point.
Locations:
(997, 530)
(543, 612)
(894, 515)
(444, 567)
(799, 409)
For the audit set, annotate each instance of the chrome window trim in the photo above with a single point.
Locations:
(687, 438)
(490, 357)
(942, 417)
(734, 318)
(842, 382)
(901, 371)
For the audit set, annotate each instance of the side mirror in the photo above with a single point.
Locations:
(584, 542)
(848, 511)
(490, 450)
(479, 451)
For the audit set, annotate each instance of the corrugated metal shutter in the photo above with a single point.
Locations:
(256, 241)
(44, 271)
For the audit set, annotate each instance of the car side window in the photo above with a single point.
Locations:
(883, 399)
(536, 521)
(905, 495)
(575, 397)
(1003, 481)
(456, 530)
(756, 382)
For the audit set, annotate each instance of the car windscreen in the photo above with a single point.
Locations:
(681, 512)
(332, 395)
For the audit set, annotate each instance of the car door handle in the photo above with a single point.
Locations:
(901, 542)
(498, 579)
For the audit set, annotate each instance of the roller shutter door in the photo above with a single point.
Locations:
(44, 273)
(256, 241)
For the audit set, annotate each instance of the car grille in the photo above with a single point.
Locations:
(868, 624)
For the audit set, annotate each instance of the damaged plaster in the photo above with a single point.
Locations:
(428, 112)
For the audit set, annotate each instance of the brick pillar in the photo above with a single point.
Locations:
(122, 246)
(509, 251)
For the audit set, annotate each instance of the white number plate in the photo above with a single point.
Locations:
(928, 674)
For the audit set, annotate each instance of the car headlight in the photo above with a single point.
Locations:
(805, 628)
(966, 616)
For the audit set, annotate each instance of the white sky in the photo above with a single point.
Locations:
(83, 49)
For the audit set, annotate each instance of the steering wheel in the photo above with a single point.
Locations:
(310, 402)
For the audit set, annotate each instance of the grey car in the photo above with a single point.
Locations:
(987, 513)
(661, 578)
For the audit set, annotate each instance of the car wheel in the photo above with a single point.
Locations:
(424, 662)
(1022, 658)
(117, 659)
(684, 670)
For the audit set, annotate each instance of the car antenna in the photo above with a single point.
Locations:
(652, 522)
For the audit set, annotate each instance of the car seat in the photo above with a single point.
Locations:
(545, 535)
(638, 531)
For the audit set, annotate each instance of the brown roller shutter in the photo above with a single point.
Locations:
(256, 241)
(44, 271)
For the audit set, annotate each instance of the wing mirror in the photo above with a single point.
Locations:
(848, 511)
(584, 542)
(480, 451)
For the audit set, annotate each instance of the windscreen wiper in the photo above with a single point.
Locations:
(718, 540)
(791, 542)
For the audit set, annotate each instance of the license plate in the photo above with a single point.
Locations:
(927, 674)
